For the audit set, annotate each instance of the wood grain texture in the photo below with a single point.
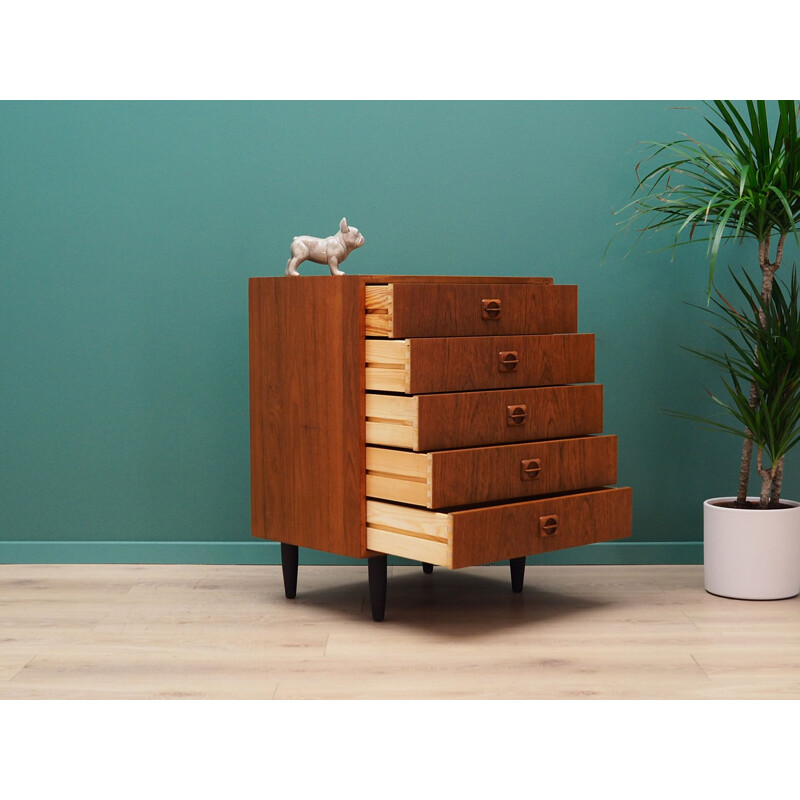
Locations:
(483, 534)
(140, 631)
(469, 419)
(414, 466)
(378, 308)
(398, 475)
(377, 280)
(388, 365)
(391, 420)
(378, 297)
(511, 530)
(422, 366)
(311, 418)
(399, 490)
(449, 478)
(423, 309)
(472, 363)
(307, 412)
(409, 532)
(429, 551)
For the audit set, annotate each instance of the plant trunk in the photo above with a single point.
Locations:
(777, 483)
(767, 480)
(768, 270)
(744, 470)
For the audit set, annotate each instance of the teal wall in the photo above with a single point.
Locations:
(128, 231)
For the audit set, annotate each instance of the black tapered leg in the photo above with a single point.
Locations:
(427, 568)
(289, 560)
(377, 586)
(517, 573)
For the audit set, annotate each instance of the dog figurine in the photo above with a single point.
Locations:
(331, 251)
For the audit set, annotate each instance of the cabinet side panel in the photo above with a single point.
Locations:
(307, 412)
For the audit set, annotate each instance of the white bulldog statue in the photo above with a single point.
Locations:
(331, 251)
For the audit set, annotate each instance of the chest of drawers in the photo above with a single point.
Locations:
(448, 420)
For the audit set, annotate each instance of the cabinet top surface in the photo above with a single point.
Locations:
(382, 279)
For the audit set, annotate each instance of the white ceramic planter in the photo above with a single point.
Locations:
(751, 554)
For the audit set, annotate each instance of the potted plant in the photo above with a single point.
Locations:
(747, 187)
(751, 555)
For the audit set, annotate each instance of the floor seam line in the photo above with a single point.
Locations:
(699, 666)
(29, 661)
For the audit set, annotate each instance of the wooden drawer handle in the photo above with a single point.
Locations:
(509, 359)
(530, 468)
(516, 415)
(548, 526)
(491, 309)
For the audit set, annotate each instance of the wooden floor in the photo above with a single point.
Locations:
(603, 632)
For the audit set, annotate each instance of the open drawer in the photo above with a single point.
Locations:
(469, 419)
(407, 310)
(468, 363)
(481, 535)
(449, 478)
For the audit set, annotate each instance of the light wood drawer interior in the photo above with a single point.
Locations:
(410, 533)
(392, 421)
(388, 365)
(379, 308)
(399, 475)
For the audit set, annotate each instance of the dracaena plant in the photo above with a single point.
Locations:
(746, 186)
(762, 357)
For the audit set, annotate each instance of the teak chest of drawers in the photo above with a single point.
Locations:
(448, 420)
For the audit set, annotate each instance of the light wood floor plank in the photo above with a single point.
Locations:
(583, 632)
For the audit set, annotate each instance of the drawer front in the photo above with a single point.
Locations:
(495, 533)
(449, 478)
(473, 419)
(469, 419)
(419, 310)
(487, 474)
(422, 366)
